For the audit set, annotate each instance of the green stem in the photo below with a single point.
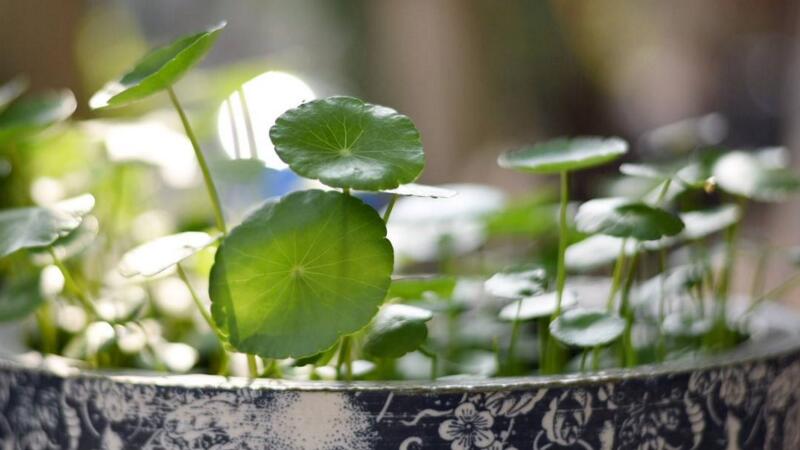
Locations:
(201, 160)
(777, 291)
(664, 190)
(389, 208)
(199, 303)
(49, 334)
(237, 148)
(584, 354)
(252, 365)
(662, 261)
(596, 359)
(72, 286)
(759, 277)
(616, 279)
(629, 353)
(434, 360)
(512, 344)
(561, 271)
(544, 335)
(248, 122)
(345, 359)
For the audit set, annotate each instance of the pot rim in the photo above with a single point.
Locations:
(770, 347)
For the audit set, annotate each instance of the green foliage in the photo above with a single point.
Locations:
(19, 298)
(158, 70)
(564, 154)
(410, 288)
(346, 143)
(538, 306)
(299, 273)
(623, 218)
(29, 116)
(514, 283)
(11, 90)
(586, 328)
(397, 330)
(156, 256)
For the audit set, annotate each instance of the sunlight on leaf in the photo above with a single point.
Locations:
(397, 330)
(587, 328)
(154, 257)
(564, 154)
(536, 307)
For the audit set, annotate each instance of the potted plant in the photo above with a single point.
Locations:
(306, 293)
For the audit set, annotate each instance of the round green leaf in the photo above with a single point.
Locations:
(397, 330)
(36, 227)
(422, 190)
(536, 307)
(29, 116)
(587, 328)
(755, 176)
(157, 70)
(564, 154)
(18, 298)
(622, 218)
(346, 143)
(709, 221)
(11, 90)
(299, 273)
(596, 251)
(158, 255)
(516, 284)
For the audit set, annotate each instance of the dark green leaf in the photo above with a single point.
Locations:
(418, 287)
(346, 143)
(564, 154)
(299, 273)
(543, 305)
(154, 257)
(515, 284)
(19, 297)
(36, 227)
(622, 218)
(587, 328)
(158, 70)
(397, 330)
(29, 116)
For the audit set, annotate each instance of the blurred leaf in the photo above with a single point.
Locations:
(586, 328)
(536, 307)
(528, 216)
(158, 70)
(156, 256)
(11, 90)
(70, 245)
(688, 134)
(622, 218)
(35, 227)
(564, 154)
(747, 175)
(346, 143)
(595, 252)
(418, 287)
(515, 284)
(31, 115)
(299, 273)
(397, 330)
(19, 298)
(682, 325)
(421, 190)
(709, 221)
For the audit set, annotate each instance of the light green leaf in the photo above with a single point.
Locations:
(31, 115)
(346, 143)
(587, 328)
(156, 256)
(418, 287)
(514, 284)
(538, 306)
(11, 90)
(158, 70)
(422, 190)
(397, 330)
(755, 177)
(623, 218)
(36, 227)
(705, 222)
(596, 251)
(564, 154)
(70, 245)
(19, 297)
(299, 273)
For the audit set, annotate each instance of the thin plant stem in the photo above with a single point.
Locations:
(629, 353)
(777, 291)
(389, 208)
(596, 358)
(201, 161)
(512, 344)
(616, 279)
(345, 359)
(584, 354)
(72, 286)
(662, 262)
(760, 275)
(199, 303)
(237, 148)
(49, 334)
(248, 122)
(252, 365)
(561, 271)
(434, 360)
(544, 336)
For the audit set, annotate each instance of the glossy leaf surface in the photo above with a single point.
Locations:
(564, 154)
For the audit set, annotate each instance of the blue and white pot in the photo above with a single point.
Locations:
(746, 400)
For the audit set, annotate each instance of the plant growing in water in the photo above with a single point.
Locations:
(306, 286)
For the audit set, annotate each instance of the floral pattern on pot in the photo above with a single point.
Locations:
(751, 405)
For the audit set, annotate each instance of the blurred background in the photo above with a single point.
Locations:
(476, 76)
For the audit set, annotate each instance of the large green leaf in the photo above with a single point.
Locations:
(587, 328)
(36, 227)
(31, 115)
(623, 218)
(19, 297)
(156, 256)
(346, 143)
(157, 70)
(564, 154)
(536, 307)
(299, 273)
(515, 284)
(11, 90)
(397, 330)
